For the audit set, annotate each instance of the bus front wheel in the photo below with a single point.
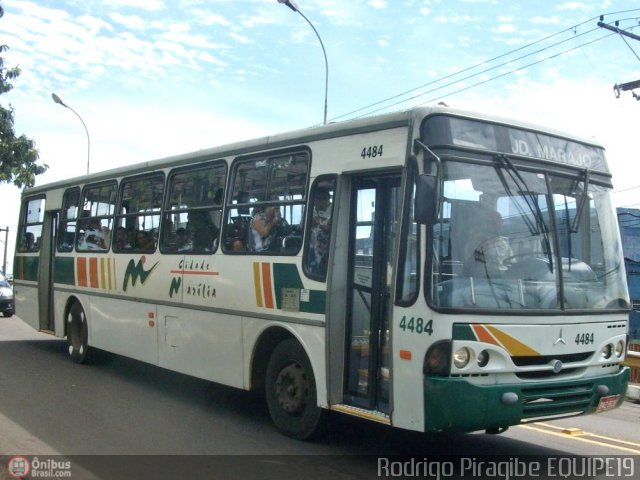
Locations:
(290, 389)
(77, 333)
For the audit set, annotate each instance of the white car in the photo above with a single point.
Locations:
(7, 304)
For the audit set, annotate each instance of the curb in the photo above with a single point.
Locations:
(633, 392)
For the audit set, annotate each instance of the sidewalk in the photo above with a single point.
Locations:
(15, 440)
(633, 361)
(633, 392)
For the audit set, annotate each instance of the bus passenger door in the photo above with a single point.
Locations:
(45, 274)
(374, 220)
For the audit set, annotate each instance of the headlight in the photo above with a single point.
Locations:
(6, 293)
(461, 357)
(483, 358)
(619, 349)
(606, 351)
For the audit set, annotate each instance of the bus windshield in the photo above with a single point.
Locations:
(513, 238)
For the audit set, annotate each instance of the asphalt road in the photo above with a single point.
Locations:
(119, 415)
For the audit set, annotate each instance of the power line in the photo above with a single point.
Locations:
(466, 69)
(627, 43)
(627, 189)
(570, 29)
(484, 71)
(487, 80)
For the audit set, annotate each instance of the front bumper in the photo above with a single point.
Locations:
(454, 404)
(6, 305)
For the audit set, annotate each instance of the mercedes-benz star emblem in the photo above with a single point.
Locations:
(560, 339)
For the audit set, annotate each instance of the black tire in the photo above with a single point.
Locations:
(7, 314)
(290, 388)
(77, 334)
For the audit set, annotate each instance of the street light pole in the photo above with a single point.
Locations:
(59, 101)
(291, 4)
(6, 238)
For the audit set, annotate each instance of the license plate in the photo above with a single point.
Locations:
(608, 403)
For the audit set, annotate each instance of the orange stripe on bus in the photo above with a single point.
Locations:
(256, 283)
(103, 274)
(82, 271)
(266, 283)
(93, 273)
(483, 335)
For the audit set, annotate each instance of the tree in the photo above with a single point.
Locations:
(18, 155)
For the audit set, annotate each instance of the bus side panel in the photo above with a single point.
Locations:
(25, 289)
(408, 394)
(201, 343)
(123, 327)
(26, 298)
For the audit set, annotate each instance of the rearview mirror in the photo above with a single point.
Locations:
(425, 206)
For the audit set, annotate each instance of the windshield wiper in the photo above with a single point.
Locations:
(525, 192)
(580, 207)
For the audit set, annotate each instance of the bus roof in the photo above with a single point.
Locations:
(403, 118)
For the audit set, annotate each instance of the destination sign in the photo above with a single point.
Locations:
(554, 149)
(442, 130)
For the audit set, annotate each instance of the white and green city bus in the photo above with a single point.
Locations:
(466, 274)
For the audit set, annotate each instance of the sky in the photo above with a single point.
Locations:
(153, 78)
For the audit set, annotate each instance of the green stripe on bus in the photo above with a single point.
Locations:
(64, 271)
(286, 275)
(26, 268)
(316, 303)
(463, 332)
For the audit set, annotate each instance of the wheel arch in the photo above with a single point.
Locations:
(264, 346)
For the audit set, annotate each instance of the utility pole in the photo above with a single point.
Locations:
(615, 29)
(628, 85)
(6, 238)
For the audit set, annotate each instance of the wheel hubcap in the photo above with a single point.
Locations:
(292, 387)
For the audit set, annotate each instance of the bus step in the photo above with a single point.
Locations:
(372, 415)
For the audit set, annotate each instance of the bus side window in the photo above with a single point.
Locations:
(138, 213)
(93, 229)
(265, 210)
(316, 255)
(68, 218)
(31, 225)
(192, 214)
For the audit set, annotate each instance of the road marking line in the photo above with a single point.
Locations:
(588, 434)
(582, 439)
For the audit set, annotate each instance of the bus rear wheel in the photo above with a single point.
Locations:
(77, 333)
(290, 389)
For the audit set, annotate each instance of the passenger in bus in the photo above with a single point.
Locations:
(236, 235)
(320, 232)
(487, 248)
(28, 242)
(94, 238)
(264, 227)
(144, 241)
(202, 240)
(202, 231)
(122, 242)
(131, 237)
(183, 242)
